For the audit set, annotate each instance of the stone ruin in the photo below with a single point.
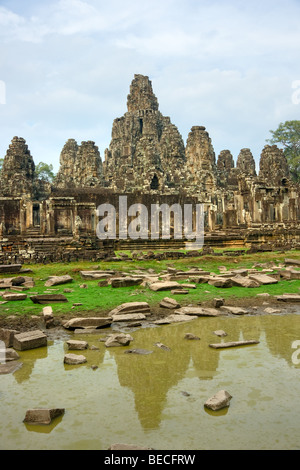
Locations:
(148, 161)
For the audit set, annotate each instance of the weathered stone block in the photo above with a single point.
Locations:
(126, 281)
(118, 339)
(57, 280)
(7, 336)
(48, 298)
(168, 302)
(199, 311)
(88, 322)
(74, 359)
(29, 340)
(10, 268)
(167, 285)
(218, 401)
(79, 345)
(14, 296)
(129, 317)
(131, 307)
(42, 416)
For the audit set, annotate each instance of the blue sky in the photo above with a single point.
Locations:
(66, 68)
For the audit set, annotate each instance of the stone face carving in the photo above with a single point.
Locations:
(226, 172)
(146, 150)
(17, 173)
(80, 166)
(246, 163)
(200, 156)
(273, 166)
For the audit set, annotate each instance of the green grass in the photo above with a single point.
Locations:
(97, 299)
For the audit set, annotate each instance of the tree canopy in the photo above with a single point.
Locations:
(44, 171)
(288, 135)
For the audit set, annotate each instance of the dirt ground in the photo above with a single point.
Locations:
(255, 306)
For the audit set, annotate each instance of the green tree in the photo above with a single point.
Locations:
(288, 135)
(44, 171)
(1, 163)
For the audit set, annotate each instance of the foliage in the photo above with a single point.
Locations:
(288, 135)
(44, 171)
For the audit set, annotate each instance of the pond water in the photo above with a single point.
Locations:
(157, 400)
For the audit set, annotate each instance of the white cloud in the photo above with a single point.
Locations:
(67, 66)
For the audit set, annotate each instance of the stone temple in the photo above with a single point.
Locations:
(148, 162)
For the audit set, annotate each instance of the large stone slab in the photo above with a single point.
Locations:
(11, 296)
(220, 282)
(289, 298)
(290, 274)
(263, 279)
(200, 279)
(294, 262)
(218, 401)
(126, 281)
(29, 340)
(131, 307)
(10, 268)
(77, 345)
(42, 416)
(48, 298)
(74, 359)
(164, 285)
(118, 339)
(58, 280)
(243, 281)
(88, 322)
(175, 318)
(129, 317)
(198, 311)
(95, 274)
(234, 310)
(168, 302)
(233, 344)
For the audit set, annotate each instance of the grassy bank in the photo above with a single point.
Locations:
(95, 299)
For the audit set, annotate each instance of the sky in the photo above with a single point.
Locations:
(66, 68)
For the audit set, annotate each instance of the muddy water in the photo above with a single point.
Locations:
(157, 399)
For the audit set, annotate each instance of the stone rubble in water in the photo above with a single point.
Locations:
(42, 416)
(118, 339)
(79, 345)
(29, 340)
(218, 401)
(74, 359)
(233, 344)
